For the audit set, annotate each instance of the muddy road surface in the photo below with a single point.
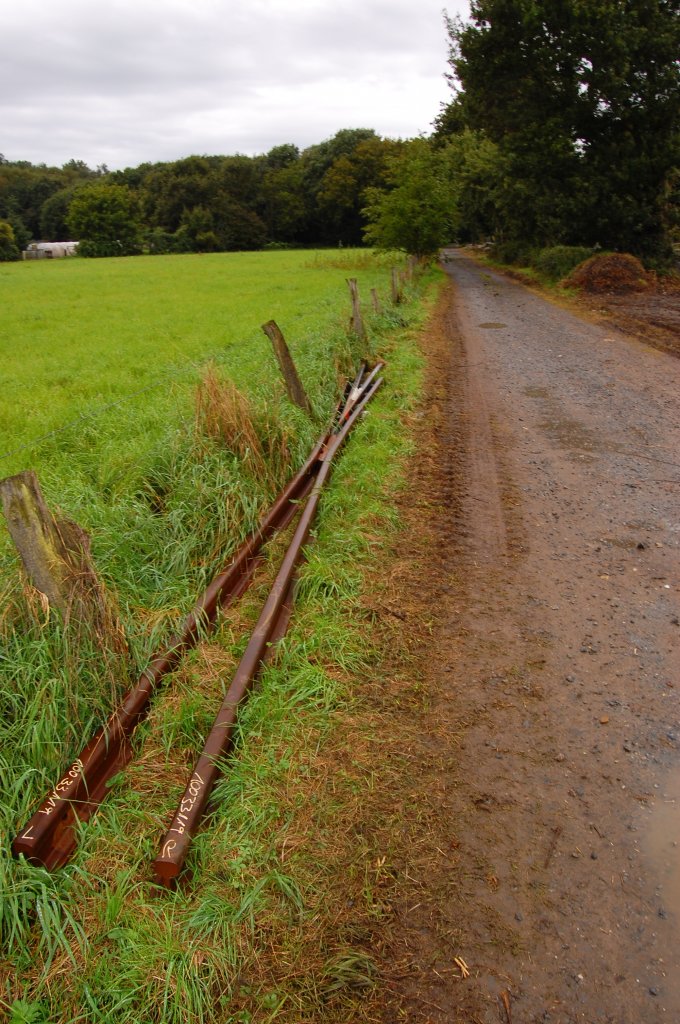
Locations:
(550, 749)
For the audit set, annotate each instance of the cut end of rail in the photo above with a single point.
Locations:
(45, 854)
(166, 872)
(22, 846)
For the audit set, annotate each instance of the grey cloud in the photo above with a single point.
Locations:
(125, 82)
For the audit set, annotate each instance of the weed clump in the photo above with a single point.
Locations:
(254, 433)
(613, 273)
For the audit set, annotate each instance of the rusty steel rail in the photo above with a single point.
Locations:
(358, 389)
(50, 836)
(270, 626)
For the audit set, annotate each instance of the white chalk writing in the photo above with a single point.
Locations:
(193, 790)
(168, 848)
(63, 786)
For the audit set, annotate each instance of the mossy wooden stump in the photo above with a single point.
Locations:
(56, 558)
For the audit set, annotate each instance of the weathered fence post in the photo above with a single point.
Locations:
(296, 392)
(56, 557)
(376, 301)
(356, 322)
(396, 289)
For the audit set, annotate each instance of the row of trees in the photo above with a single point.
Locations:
(564, 129)
(202, 203)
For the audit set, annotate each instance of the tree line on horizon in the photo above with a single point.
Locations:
(201, 203)
(563, 130)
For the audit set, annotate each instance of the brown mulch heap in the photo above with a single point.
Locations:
(649, 311)
(612, 273)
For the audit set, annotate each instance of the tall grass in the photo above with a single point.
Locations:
(166, 504)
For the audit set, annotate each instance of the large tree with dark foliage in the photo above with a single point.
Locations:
(582, 99)
(336, 174)
(25, 188)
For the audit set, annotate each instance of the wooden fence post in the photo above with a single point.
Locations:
(376, 301)
(356, 322)
(296, 392)
(56, 557)
(396, 290)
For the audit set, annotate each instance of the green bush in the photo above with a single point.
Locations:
(558, 261)
(102, 248)
(519, 253)
(8, 247)
(158, 242)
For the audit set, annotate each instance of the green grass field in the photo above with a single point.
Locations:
(78, 335)
(101, 362)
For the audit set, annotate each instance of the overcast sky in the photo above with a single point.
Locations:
(120, 82)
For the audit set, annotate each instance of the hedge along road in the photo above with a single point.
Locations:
(555, 690)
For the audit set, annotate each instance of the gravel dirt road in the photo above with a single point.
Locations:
(549, 749)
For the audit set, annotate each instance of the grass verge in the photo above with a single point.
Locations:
(274, 920)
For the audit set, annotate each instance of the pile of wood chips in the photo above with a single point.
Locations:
(609, 273)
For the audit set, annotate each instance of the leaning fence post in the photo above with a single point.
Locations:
(356, 322)
(376, 301)
(296, 392)
(56, 557)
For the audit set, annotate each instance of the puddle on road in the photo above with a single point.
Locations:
(626, 543)
(492, 326)
(661, 845)
(568, 433)
(572, 434)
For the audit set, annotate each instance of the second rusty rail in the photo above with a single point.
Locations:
(175, 844)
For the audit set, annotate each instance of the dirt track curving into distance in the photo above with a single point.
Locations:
(549, 750)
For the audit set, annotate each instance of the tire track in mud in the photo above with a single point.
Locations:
(482, 518)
